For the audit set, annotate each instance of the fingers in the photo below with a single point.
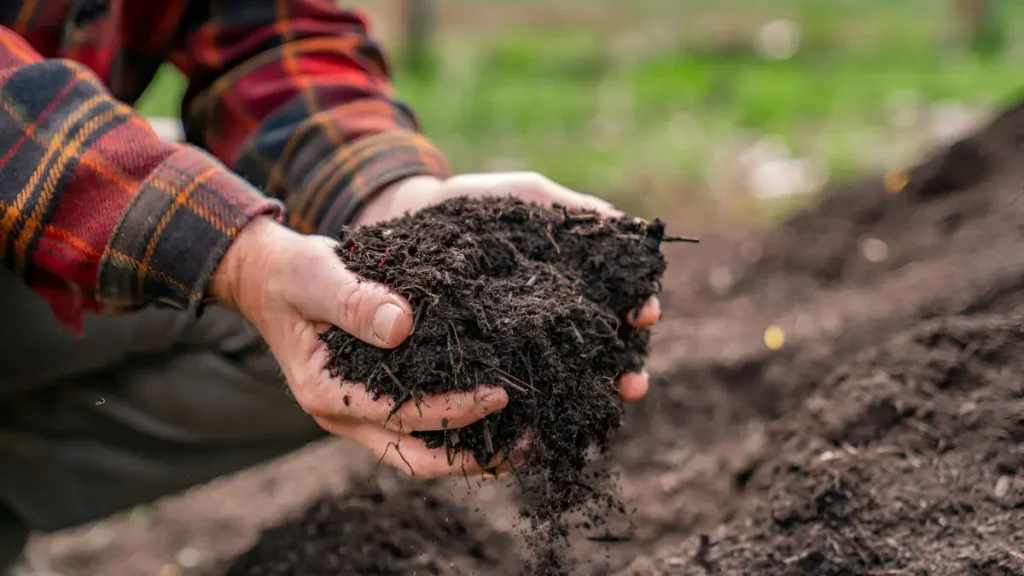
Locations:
(411, 455)
(439, 412)
(633, 386)
(451, 410)
(648, 314)
(322, 289)
(559, 194)
(527, 186)
(549, 192)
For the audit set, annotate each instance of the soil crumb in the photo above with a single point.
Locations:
(531, 299)
(373, 531)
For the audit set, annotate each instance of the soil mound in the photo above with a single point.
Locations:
(818, 456)
(909, 460)
(370, 531)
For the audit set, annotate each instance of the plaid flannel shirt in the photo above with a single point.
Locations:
(99, 214)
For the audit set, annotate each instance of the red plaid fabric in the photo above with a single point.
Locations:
(98, 214)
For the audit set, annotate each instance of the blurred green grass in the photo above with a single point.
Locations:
(650, 110)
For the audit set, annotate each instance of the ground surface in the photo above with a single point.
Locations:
(884, 436)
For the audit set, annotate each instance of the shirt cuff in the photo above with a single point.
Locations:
(351, 176)
(172, 236)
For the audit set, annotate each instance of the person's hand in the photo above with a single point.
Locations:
(412, 194)
(292, 287)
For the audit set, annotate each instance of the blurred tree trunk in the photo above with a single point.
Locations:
(419, 34)
(982, 25)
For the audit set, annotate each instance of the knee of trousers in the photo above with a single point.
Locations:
(143, 405)
(13, 535)
(36, 350)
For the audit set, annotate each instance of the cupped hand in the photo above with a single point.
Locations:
(419, 192)
(292, 287)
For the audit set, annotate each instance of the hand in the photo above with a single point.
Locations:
(292, 287)
(419, 192)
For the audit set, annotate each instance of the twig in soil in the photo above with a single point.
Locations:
(576, 332)
(517, 380)
(457, 342)
(579, 218)
(701, 556)
(688, 239)
(417, 318)
(558, 250)
(487, 437)
(835, 547)
(513, 385)
(857, 549)
(451, 359)
(395, 380)
(529, 371)
(406, 395)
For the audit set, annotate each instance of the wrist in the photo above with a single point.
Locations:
(407, 194)
(245, 252)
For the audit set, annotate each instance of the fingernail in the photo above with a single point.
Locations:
(384, 320)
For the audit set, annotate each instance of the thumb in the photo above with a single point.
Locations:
(326, 291)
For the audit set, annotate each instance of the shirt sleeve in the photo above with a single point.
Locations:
(295, 96)
(97, 212)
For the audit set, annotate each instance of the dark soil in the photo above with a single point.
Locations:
(909, 460)
(369, 531)
(532, 299)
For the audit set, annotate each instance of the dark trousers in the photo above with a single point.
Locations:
(143, 405)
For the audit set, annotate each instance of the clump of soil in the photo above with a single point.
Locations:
(371, 531)
(531, 299)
